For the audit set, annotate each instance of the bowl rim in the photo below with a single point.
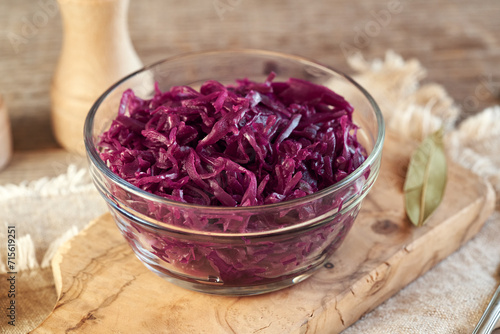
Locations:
(93, 156)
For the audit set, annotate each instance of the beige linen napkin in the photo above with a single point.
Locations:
(45, 213)
(448, 299)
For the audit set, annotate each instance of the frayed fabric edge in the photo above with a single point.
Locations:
(73, 181)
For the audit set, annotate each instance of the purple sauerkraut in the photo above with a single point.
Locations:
(243, 145)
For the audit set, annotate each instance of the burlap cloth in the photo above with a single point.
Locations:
(450, 298)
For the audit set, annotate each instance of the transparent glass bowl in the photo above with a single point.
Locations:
(256, 261)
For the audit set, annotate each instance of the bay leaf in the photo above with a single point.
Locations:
(425, 179)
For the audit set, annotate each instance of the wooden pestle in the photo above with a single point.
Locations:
(5, 136)
(96, 52)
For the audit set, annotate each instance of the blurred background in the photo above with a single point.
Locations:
(458, 42)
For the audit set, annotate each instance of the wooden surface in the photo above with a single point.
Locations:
(104, 288)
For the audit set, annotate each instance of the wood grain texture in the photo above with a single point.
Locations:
(26, 166)
(104, 288)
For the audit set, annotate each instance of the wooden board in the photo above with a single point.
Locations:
(104, 288)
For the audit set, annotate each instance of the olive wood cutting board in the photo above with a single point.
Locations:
(104, 288)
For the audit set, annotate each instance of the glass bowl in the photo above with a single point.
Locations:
(210, 260)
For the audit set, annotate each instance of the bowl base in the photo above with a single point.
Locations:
(230, 290)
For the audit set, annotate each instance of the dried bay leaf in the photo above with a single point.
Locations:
(426, 179)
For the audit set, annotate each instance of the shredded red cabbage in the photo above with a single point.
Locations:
(246, 144)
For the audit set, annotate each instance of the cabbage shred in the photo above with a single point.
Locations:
(245, 144)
